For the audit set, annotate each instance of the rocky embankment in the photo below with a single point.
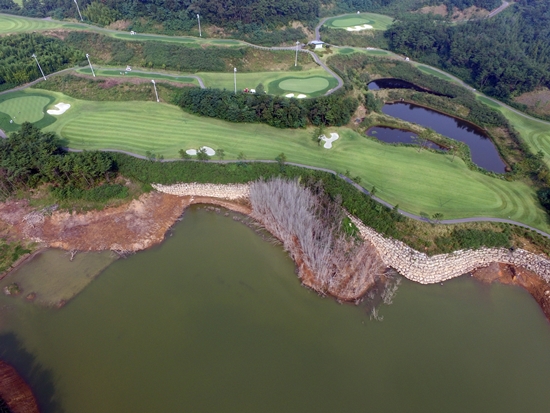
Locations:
(421, 268)
(230, 192)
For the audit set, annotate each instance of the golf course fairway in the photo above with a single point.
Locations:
(419, 182)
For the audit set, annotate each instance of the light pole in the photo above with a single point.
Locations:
(90, 63)
(155, 86)
(235, 78)
(43, 75)
(296, 59)
(199, 19)
(78, 8)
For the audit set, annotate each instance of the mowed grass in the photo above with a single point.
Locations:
(270, 80)
(418, 182)
(25, 108)
(307, 85)
(377, 21)
(536, 133)
(17, 24)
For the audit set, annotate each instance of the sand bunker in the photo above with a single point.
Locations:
(61, 109)
(301, 96)
(328, 141)
(359, 28)
(209, 151)
(289, 95)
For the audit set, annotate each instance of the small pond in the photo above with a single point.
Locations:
(484, 152)
(392, 135)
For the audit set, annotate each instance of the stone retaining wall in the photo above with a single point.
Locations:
(419, 267)
(414, 265)
(234, 191)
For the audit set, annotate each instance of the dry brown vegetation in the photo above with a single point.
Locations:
(310, 228)
(537, 101)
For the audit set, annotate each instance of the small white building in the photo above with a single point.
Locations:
(317, 43)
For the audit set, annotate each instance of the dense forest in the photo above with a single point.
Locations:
(503, 56)
(19, 67)
(281, 112)
(30, 157)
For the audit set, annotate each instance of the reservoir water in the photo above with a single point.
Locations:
(484, 152)
(392, 135)
(215, 320)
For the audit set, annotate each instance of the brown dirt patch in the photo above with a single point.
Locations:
(472, 12)
(537, 101)
(512, 275)
(440, 10)
(130, 227)
(299, 25)
(15, 392)
(120, 25)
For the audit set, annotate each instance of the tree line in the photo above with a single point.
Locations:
(19, 67)
(277, 111)
(503, 56)
(30, 157)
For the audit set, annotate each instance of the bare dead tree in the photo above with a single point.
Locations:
(310, 228)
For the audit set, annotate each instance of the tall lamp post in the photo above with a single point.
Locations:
(155, 86)
(78, 8)
(296, 59)
(90, 63)
(199, 20)
(235, 78)
(43, 75)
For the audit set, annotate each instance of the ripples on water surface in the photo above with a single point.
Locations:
(215, 320)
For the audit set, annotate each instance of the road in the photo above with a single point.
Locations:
(496, 11)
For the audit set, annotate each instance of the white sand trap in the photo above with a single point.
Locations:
(61, 109)
(301, 96)
(359, 28)
(209, 151)
(328, 141)
(289, 95)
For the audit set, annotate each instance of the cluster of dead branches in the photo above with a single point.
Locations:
(310, 228)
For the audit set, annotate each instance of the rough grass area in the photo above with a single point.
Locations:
(418, 182)
(10, 252)
(377, 21)
(139, 75)
(109, 89)
(434, 72)
(537, 102)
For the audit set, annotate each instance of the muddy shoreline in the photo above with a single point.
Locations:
(144, 222)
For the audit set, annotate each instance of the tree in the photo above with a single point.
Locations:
(221, 154)
(438, 217)
(260, 89)
(184, 154)
(281, 160)
(202, 155)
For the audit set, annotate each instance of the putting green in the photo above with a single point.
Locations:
(424, 181)
(25, 108)
(377, 21)
(307, 85)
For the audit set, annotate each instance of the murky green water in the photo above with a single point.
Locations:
(214, 320)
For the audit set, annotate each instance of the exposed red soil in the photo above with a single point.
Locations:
(15, 392)
(135, 226)
(511, 275)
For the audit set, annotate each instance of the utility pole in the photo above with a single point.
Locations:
(43, 75)
(199, 19)
(235, 78)
(296, 59)
(88, 57)
(78, 8)
(155, 86)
